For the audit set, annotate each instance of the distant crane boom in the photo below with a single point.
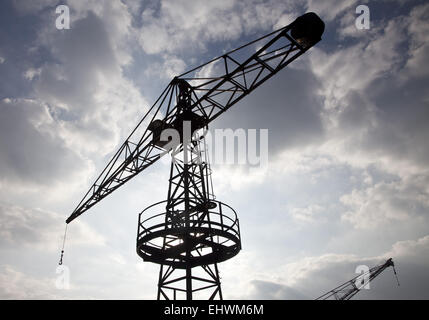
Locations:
(350, 288)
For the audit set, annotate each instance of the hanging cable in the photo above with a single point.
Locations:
(64, 243)
(208, 169)
(394, 271)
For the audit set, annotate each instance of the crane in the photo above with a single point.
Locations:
(191, 229)
(348, 289)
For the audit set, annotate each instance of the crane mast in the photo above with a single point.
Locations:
(350, 288)
(191, 232)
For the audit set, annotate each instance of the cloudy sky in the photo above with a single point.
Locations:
(347, 181)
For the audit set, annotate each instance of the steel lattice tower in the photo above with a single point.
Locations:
(197, 231)
(191, 232)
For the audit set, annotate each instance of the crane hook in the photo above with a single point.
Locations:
(62, 250)
(61, 258)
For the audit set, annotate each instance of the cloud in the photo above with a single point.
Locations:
(31, 73)
(418, 30)
(348, 155)
(41, 230)
(353, 68)
(17, 285)
(81, 103)
(42, 158)
(288, 106)
(414, 250)
(32, 7)
(311, 277)
(384, 202)
(179, 25)
(84, 82)
(168, 69)
(266, 290)
(366, 95)
(308, 214)
(329, 10)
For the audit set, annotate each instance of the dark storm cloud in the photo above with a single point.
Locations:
(17, 38)
(402, 117)
(378, 101)
(288, 106)
(30, 152)
(389, 116)
(43, 137)
(33, 145)
(83, 53)
(357, 114)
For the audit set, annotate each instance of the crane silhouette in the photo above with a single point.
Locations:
(191, 232)
(349, 289)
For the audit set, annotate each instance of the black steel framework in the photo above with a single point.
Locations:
(217, 86)
(192, 233)
(350, 288)
(194, 230)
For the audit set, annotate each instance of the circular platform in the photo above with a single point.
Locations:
(211, 235)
